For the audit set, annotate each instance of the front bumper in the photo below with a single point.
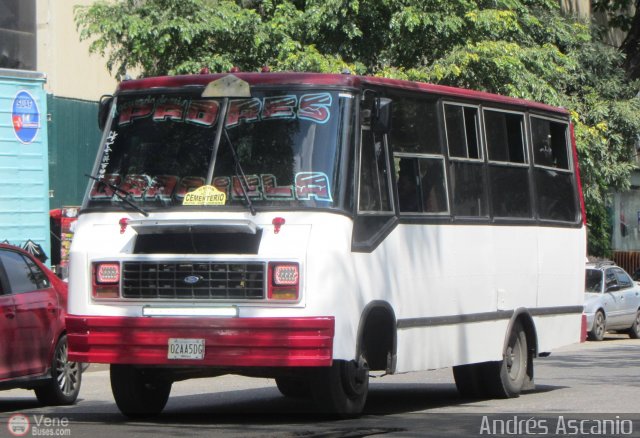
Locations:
(229, 342)
(590, 318)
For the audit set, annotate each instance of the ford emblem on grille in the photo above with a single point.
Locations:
(192, 279)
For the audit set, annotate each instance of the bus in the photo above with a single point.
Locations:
(318, 229)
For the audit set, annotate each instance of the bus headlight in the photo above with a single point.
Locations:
(284, 281)
(106, 280)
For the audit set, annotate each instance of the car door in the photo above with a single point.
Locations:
(614, 296)
(7, 327)
(36, 311)
(629, 297)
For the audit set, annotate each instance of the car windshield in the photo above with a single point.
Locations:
(593, 281)
(281, 149)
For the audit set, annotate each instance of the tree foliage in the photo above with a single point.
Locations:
(520, 48)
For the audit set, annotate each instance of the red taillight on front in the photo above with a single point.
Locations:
(284, 281)
(106, 280)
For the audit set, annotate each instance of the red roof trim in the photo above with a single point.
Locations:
(339, 80)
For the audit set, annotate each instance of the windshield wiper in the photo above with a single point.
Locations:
(117, 192)
(240, 174)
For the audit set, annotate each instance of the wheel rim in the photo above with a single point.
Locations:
(67, 373)
(514, 357)
(599, 324)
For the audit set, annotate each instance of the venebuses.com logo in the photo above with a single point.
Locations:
(39, 425)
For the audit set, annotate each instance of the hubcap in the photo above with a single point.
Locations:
(514, 357)
(66, 372)
(599, 324)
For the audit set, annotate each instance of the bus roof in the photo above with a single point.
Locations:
(324, 79)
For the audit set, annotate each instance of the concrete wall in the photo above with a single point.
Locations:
(71, 71)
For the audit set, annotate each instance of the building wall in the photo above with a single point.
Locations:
(71, 71)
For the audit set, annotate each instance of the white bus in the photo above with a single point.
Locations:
(331, 227)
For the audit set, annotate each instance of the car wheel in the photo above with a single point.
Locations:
(137, 392)
(64, 386)
(634, 331)
(599, 327)
(342, 388)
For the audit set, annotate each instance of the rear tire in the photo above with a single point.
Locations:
(634, 331)
(138, 393)
(66, 377)
(599, 327)
(506, 378)
(342, 389)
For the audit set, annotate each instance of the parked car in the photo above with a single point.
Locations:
(33, 343)
(612, 301)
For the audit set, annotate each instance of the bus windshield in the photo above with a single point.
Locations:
(280, 149)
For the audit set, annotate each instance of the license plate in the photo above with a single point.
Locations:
(185, 348)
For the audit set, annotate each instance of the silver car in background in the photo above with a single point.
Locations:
(611, 301)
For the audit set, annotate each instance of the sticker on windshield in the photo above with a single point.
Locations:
(313, 107)
(205, 195)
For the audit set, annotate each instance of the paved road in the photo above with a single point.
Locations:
(578, 386)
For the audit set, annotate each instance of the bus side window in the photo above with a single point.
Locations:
(508, 164)
(421, 184)
(466, 160)
(555, 190)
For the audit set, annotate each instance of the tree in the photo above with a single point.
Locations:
(521, 48)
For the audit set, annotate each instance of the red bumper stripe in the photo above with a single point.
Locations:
(229, 342)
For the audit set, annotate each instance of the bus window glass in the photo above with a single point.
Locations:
(468, 184)
(288, 145)
(505, 136)
(553, 177)
(550, 143)
(510, 192)
(462, 131)
(556, 195)
(374, 175)
(421, 184)
(414, 126)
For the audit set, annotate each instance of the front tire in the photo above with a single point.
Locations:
(295, 387)
(634, 331)
(599, 327)
(66, 377)
(137, 392)
(342, 388)
(469, 379)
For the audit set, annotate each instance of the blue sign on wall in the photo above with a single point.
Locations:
(24, 159)
(25, 117)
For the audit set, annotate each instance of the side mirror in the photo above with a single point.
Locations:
(382, 115)
(103, 110)
(613, 288)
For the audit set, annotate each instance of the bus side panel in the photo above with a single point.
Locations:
(449, 345)
(457, 285)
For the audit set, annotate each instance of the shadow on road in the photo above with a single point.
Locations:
(260, 406)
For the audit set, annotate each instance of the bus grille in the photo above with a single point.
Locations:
(199, 280)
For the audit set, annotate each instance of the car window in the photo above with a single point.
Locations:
(624, 281)
(23, 274)
(593, 280)
(610, 279)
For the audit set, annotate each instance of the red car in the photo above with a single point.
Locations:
(33, 341)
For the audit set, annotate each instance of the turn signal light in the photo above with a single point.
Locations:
(284, 281)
